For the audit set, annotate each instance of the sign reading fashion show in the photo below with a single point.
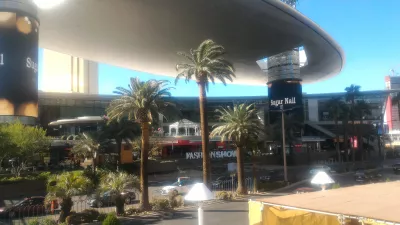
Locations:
(286, 93)
(18, 65)
(213, 154)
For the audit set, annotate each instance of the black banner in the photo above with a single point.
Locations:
(18, 65)
(285, 93)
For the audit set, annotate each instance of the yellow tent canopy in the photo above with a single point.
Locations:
(374, 204)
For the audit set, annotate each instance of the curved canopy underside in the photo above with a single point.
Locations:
(145, 35)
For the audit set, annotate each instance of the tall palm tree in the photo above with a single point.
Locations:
(116, 184)
(63, 187)
(335, 107)
(87, 146)
(362, 109)
(120, 131)
(205, 64)
(239, 124)
(142, 102)
(345, 121)
(351, 93)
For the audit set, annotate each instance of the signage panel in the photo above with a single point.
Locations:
(18, 65)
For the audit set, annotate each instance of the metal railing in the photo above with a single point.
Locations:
(83, 209)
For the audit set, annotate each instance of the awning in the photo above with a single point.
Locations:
(372, 204)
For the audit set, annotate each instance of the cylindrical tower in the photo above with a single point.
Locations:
(19, 33)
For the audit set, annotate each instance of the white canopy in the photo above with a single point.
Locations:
(199, 192)
(322, 178)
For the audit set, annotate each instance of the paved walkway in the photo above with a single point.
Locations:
(233, 213)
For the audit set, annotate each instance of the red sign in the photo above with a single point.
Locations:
(354, 142)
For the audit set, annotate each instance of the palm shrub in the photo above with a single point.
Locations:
(87, 146)
(205, 64)
(116, 183)
(240, 125)
(111, 219)
(142, 101)
(63, 187)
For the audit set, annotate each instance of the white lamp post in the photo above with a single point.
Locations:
(321, 178)
(199, 193)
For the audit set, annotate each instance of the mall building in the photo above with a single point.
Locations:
(65, 115)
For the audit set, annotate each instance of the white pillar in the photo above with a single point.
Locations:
(200, 215)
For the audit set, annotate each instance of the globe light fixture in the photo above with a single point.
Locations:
(47, 4)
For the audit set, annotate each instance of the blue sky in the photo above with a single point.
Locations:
(367, 30)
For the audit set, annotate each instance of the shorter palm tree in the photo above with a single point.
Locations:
(241, 125)
(121, 131)
(335, 107)
(63, 187)
(116, 183)
(87, 147)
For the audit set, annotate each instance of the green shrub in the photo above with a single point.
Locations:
(102, 217)
(34, 221)
(44, 175)
(180, 201)
(86, 216)
(388, 179)
(111, 219)
(89, 215)
(270, 186)
(336, 186)
(133, 210)
(48, 221)
(160, 205)
(223, 195)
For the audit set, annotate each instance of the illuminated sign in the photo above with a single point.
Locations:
(213, 154)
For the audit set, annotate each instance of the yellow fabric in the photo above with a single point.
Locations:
(280, 216)
(255, 214)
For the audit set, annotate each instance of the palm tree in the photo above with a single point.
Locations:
(345, 121)
(142, 102)
(362, 109)
(205, 64)
(87, 146)
(63, 187)
(117, 183)
(239, 124)
(120, 131)
(351, 93)
(335, 107)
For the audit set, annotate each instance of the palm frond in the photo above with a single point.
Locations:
(238, 124)
(208, 65)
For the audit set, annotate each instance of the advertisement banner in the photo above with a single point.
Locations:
(285, 93)
(18, 65)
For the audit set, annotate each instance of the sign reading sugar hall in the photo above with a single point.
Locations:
(284, 94)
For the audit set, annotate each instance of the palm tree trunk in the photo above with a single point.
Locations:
(345, 139)
(255, 180)
(353, 154)
(360, 139)
(94, 163)
(144, 183)
(337, 140)
(119, 147)
(66, 206)
(119, 205)
(204, 133)
(240, 172)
